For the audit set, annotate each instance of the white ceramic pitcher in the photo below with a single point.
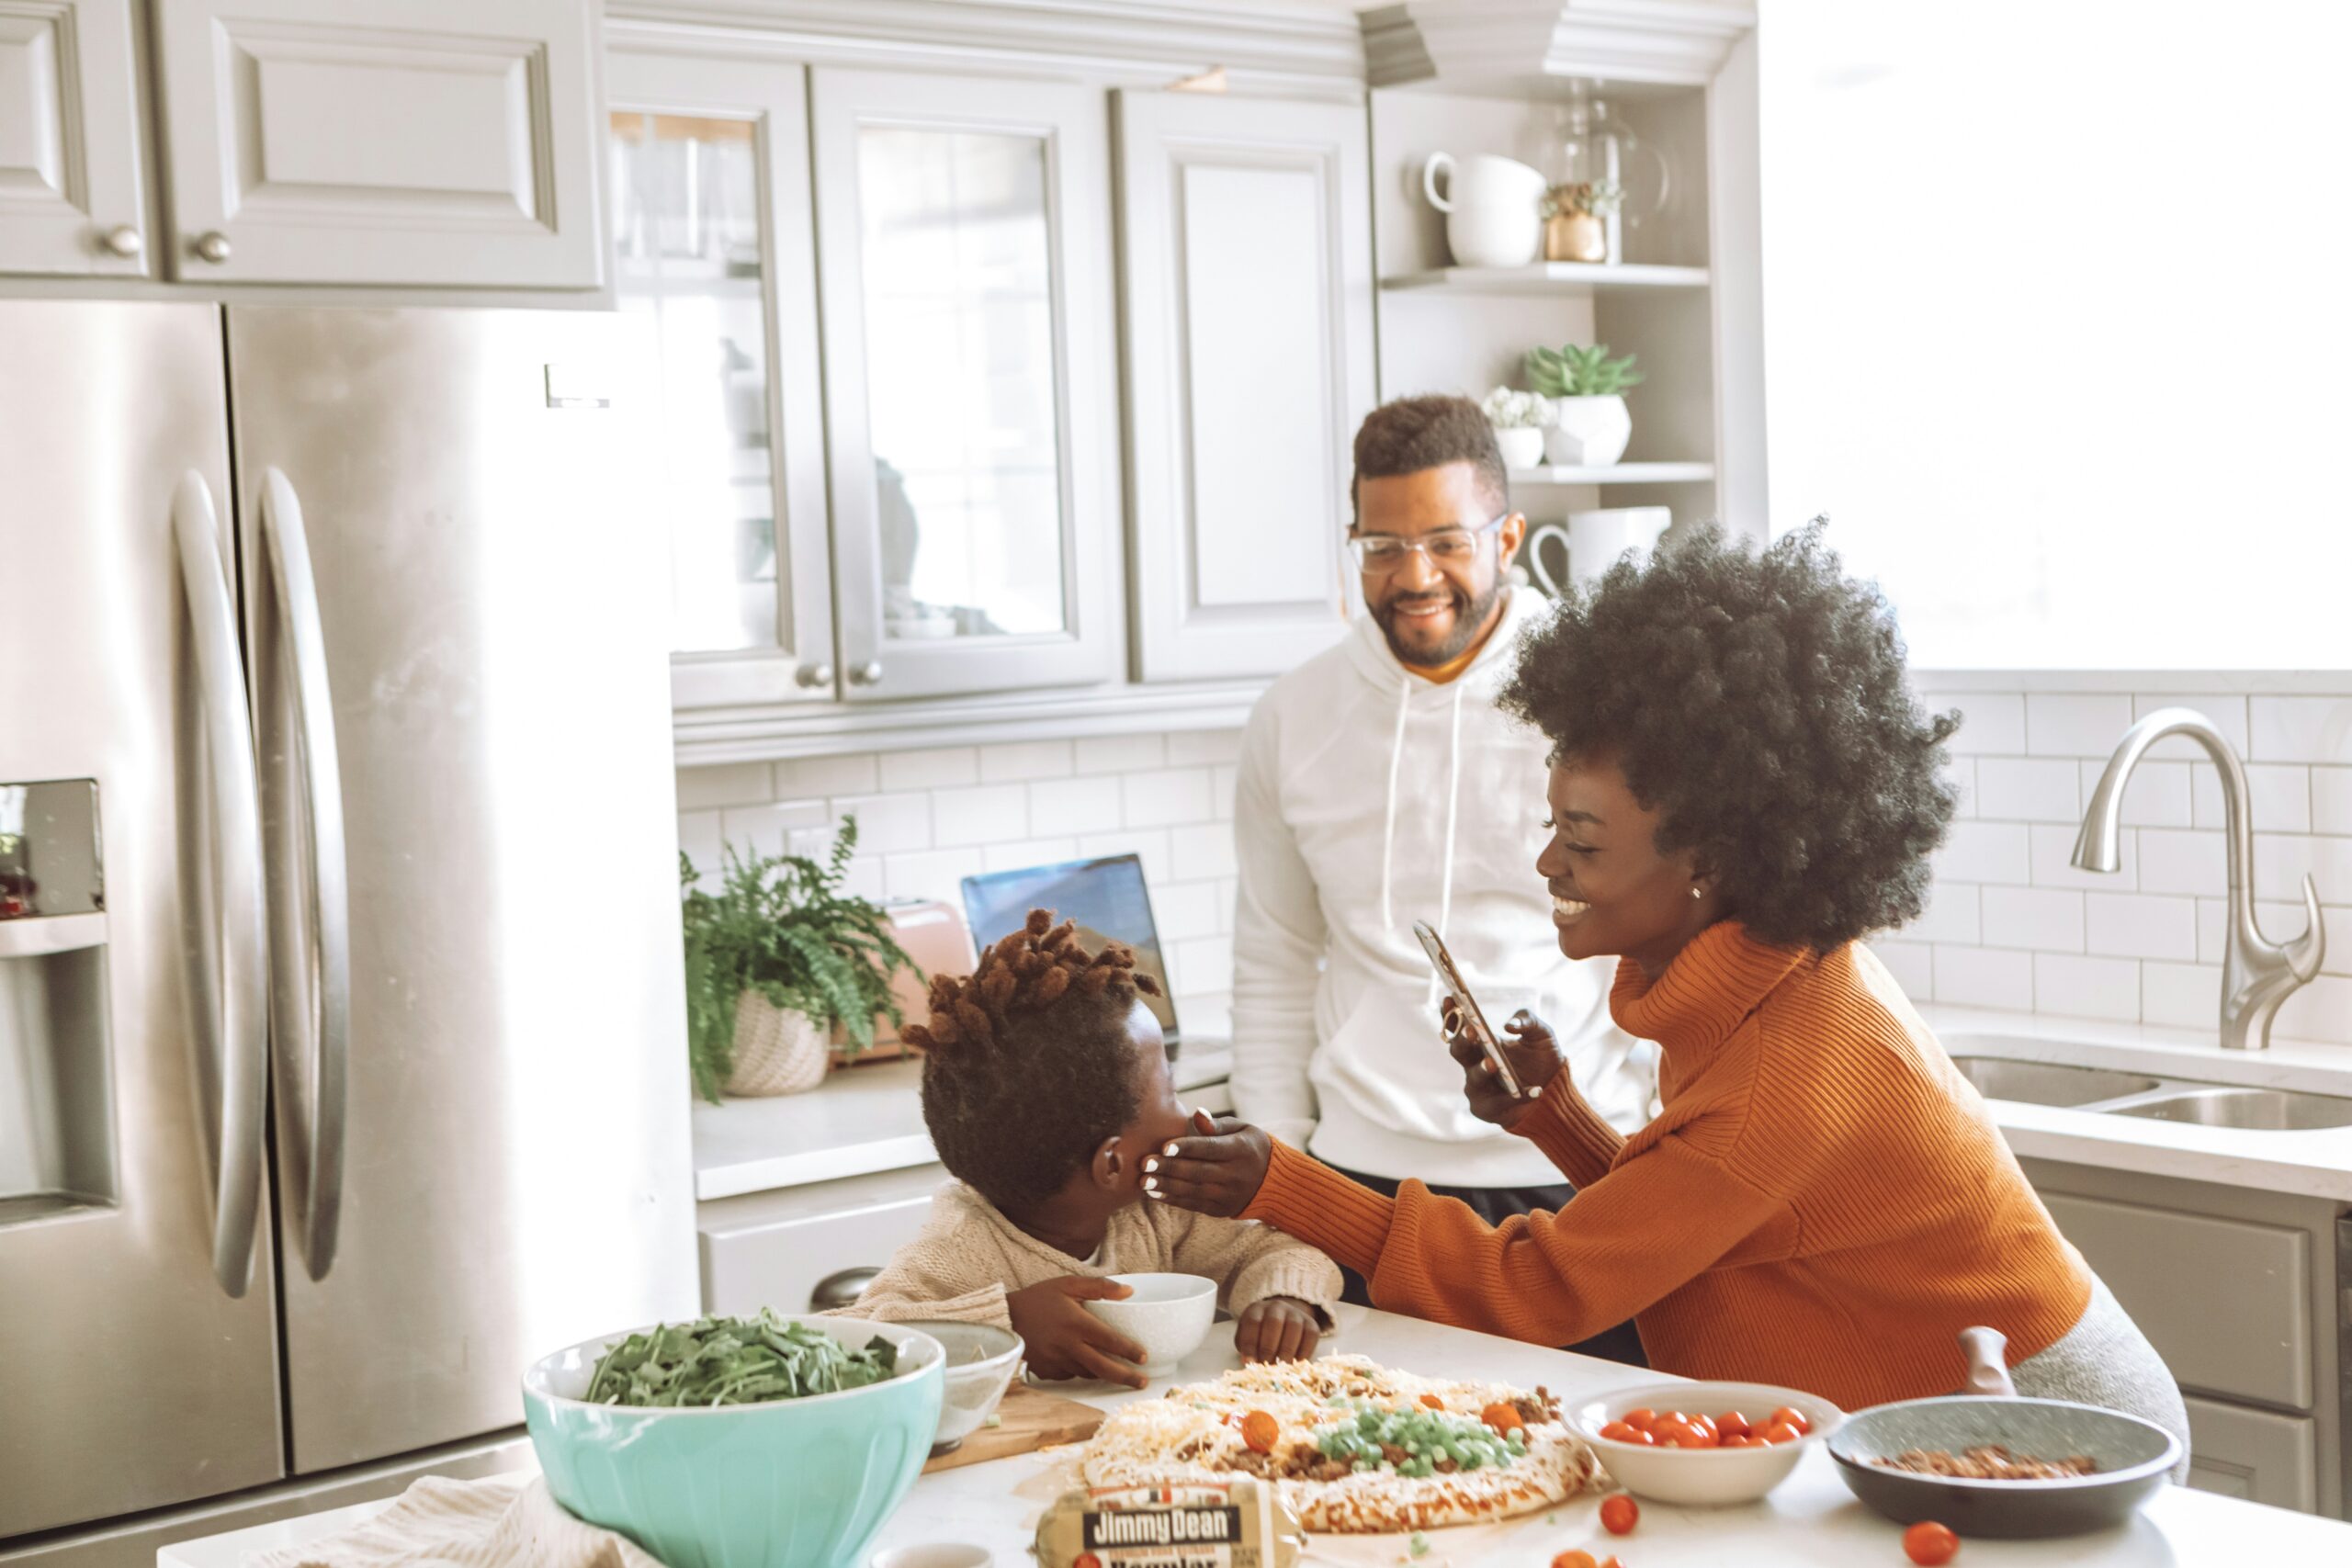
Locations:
(1493, 208)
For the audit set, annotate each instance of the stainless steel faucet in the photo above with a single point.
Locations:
(2256, 973)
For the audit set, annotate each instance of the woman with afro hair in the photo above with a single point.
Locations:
(1742, 788)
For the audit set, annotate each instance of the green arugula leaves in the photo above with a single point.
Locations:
(734, 1360)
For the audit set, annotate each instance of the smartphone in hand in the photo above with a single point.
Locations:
(1474, 1021)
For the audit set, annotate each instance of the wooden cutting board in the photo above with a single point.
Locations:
(1031, 1419)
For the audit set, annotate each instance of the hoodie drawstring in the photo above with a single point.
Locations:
(1452, 798)
(1388, 832)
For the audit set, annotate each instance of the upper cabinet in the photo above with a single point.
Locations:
(1246, 245)
(713, 243)
(425, 142)
(71, 200)
(964, 241)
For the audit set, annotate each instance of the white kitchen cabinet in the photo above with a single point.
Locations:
(1246, 234)
(2258, 1455)
(714, 242)
(772, 1248)
(433, 142)
(964, 245)
(71, 198)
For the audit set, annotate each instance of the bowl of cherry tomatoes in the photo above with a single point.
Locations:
(1704, 1443)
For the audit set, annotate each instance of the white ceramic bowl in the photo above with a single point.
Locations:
(981, 1359)
(1169, 1315)
(1703, 1477)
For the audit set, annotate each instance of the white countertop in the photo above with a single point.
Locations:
(859, 1121)
(869, 1119)
(1811, 1522)
(2315, 1163)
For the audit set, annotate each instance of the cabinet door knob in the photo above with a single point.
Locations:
(124, 241)
(212, 247)
(815, 675)
(867, 675)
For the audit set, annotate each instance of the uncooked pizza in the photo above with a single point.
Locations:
(1355, 1448)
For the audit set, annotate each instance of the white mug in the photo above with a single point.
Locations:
(1493, 208)
(1594, 541)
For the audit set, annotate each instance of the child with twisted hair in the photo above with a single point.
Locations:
(1046, 1089)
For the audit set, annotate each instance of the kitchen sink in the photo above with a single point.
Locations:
(2047, 1083)
(2269, 1109)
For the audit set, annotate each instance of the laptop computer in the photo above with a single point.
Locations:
(1106, 895)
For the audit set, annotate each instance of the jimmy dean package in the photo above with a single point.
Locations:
(1236, 1523)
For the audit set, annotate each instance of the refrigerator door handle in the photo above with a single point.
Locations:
(323, 1031)
(232, 1038)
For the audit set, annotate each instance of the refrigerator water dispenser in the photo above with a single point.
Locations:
(56, 1093)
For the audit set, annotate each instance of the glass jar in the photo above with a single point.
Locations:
(1605, 179)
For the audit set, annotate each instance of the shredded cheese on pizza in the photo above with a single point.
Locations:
(1353, 1447)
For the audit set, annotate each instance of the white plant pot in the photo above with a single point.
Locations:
(1522, 447)
(1588, 432)
(777, 1050)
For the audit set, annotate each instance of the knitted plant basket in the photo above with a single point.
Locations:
(777, 1050)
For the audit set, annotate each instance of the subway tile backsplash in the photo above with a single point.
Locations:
(2011, 924)
(928, 818)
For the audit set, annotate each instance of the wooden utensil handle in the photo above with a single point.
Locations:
(1988, 1367)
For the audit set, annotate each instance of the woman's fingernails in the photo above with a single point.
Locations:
(1150, 1183)
(1149, 1192)
(1152, 1164)
(1535, 1093)
(1170, 1151)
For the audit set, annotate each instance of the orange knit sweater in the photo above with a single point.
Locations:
(1823, 1203)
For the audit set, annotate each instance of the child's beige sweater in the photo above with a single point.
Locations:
(969, 1254)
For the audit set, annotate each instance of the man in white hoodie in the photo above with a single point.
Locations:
(1379, 784)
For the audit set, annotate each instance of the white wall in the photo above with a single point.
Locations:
(2056, 326)
(2012, 925)
(926, 820)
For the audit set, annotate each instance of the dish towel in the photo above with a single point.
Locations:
(502, 1521)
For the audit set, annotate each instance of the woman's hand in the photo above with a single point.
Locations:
(1065, 1340)
(1217, 1173)
(1277, 1329)
(1529, 1047)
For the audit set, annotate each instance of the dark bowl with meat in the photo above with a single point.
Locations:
(1938, 1459)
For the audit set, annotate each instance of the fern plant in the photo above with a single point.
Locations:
(781, 925)
(1570, 371)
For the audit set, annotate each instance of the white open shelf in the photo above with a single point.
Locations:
(1615, 474)
(1550, 278)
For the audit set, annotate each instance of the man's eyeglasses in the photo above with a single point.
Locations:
(1378, 555)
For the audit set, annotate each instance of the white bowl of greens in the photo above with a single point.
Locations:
(761, 1442)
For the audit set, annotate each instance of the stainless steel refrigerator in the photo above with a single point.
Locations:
(340, 1017)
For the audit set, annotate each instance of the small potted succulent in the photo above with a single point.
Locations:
(1590, 424)
(1519, 418)
(775, 959)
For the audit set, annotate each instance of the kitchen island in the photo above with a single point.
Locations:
(1811, 1521)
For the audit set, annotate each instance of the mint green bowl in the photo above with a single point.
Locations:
(792, 1484)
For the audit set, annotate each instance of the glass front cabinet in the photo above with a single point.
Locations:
(891, 382)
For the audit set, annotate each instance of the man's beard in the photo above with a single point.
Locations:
(1469, 619)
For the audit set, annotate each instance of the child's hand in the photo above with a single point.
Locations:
(1216, 1173)
(1066, 1340)
(1277, 1329)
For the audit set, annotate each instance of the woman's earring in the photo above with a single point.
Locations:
(1695, 892)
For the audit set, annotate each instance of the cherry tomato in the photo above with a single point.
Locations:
(1781, 1432)
(1433, 1402)
(1619, 1514)
(1642, 1419)
(1697, 1436)
(1259, 1431)
(1502, 1417)
(1574, 1560)
(1618, 1432)
(1706, 1424)
(1927, 1544)
(1792, 1419)
(1731, 1423)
